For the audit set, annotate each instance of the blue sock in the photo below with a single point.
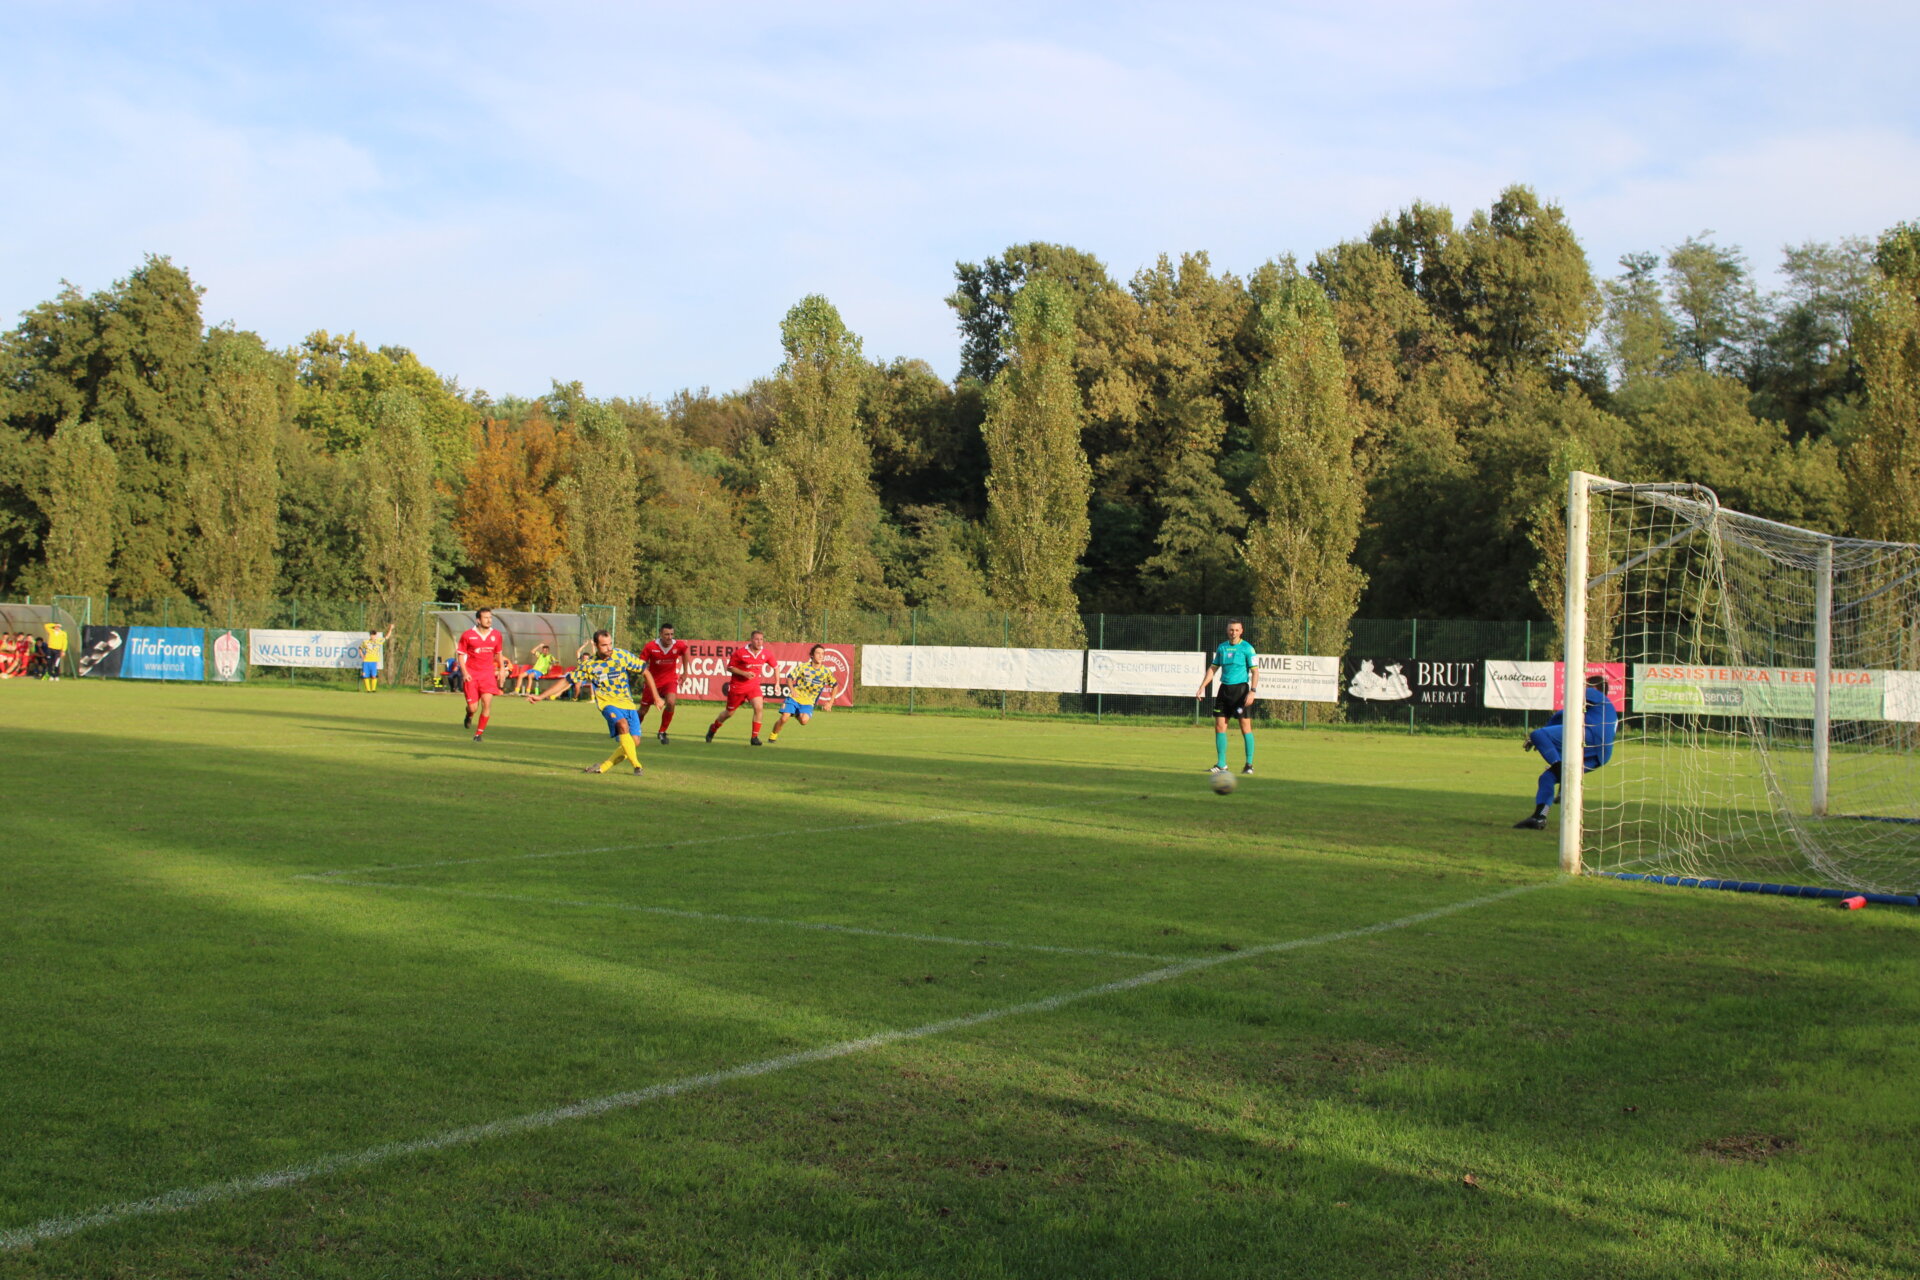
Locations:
(1246, 740)
(1543, 794)
(1220, 750)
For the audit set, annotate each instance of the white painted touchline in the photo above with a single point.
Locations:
(945, 816)
(724, 918)
(184, 1198)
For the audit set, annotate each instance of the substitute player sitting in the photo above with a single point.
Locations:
(609, 672)
(747, 666)
(480, 653)
(1602, 726)
(663, 657)
(1238, 667)
(812, 683)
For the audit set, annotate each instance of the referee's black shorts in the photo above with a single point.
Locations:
(1231, 702)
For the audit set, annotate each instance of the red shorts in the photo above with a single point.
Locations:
(477, 685)
(647, 699)
(739, 693)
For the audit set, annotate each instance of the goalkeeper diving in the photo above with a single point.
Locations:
(1602, 725)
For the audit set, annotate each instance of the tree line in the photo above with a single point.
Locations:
(1384, 431)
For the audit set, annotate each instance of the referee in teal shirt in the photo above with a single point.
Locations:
(1238, 667)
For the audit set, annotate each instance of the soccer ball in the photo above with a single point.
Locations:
(1222, 782)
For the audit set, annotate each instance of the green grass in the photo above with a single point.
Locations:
(196, 986)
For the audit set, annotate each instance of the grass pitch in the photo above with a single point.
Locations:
(305, 983)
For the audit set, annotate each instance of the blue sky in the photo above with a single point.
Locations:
(632, 195)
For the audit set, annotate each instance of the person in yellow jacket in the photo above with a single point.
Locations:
(57, 643)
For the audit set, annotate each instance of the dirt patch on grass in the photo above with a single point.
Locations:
(1747, 1148)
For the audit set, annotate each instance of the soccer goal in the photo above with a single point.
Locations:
(1772, 694)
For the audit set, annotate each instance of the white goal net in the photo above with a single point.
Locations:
(1772, 694)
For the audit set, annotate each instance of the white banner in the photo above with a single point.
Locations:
(305, 648)
(1902, 695)
(932, 666)
(1519, 686)
(1166, 673)
(1293, 677)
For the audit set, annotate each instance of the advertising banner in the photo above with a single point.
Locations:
(932, 666)
(1379, 680)
(229, 658)
(1165, 673)
(703, 675)
(1293, 677)
(1902, 695)
(327, 649)
(164, 653)
(1537, 686)
(143, 653)
(1784, 693)
(101, 650)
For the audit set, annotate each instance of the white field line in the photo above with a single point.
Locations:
(945, 816)
(182, 1199)
(723, 918)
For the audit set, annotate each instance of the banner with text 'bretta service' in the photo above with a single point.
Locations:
(1783, 693)
(703, 675)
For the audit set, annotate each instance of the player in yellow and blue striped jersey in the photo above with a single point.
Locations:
(810, 681)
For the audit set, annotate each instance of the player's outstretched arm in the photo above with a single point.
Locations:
(565, 685)
(1206, 680)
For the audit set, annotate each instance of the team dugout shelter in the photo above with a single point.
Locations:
(33, 619)
(562, 633)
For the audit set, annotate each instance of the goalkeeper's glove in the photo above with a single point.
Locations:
(1526, 743)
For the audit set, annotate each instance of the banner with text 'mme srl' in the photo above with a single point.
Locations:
(703, 675)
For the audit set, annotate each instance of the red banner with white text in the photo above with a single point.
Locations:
(703, 676)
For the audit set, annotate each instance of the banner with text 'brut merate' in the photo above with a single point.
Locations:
(932, 666)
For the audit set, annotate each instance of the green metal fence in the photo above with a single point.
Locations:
(1409, 641)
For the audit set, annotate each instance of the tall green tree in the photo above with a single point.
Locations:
(1883, 456)
(602, 496)
(398, 511)
(340, 379)
(81, 479)
(818, 511)
(1638, 331)
(1307, 491)
(129, 360)
(1513, 282)
(234, 484)
(1716, 310)
(1039, 483)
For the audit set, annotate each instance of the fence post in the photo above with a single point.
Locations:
(1306, 648)
(1526, 716)
(1199, 643)
(1413, 656)
(1007, 641)
(913, 640)
(1100, 699)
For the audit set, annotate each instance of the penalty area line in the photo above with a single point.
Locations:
(182, 1199)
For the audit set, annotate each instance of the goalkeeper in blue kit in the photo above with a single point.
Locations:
(1601, 727)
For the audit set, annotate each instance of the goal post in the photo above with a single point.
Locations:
(1770, 725)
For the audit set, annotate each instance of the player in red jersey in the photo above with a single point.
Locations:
(747, 666)
(479, 652)
(663, 658)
